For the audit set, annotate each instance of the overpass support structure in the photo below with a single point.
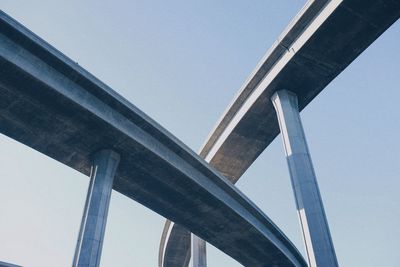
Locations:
(199, 252)
(319, 43)
(317, 238)
(94, 219)
(51, 104)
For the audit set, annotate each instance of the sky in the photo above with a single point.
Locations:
(182, 62)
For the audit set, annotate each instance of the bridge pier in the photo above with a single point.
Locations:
(317, 238)
(199, 252)
(91, 234)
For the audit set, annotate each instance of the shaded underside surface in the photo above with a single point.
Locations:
(250, 124)
(52, 105)
(347, 32)
(175, 248)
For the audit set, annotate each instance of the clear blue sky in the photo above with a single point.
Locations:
(182, 62)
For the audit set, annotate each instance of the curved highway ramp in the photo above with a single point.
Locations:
(320, 42)
(52, 105)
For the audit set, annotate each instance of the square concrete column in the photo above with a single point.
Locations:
(93, 225)
(317, 238)
(199, 253)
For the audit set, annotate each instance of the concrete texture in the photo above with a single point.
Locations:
(52, 105)
(94, 219)
(303, 61)
(320, 42)
(178, 253)
(199, 253)
(314, 225)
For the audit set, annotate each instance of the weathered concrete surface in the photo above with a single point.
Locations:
(54, 106)
(314, 225)
(199, 253)
(94, 219)
(321, 41)
(175, 246)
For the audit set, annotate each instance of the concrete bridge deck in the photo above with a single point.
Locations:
(52, 105)
(320, 42)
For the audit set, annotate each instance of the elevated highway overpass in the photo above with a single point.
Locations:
(320, 42)
(51, 104)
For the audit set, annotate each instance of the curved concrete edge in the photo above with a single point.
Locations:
(362, 21)
(177, 254)
(291, 33)
(305, 63)
(74, 118)
(62, 65)
(287, 37)
(164, 236)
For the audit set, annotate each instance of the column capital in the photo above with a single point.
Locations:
(285, 95)
(94, 219)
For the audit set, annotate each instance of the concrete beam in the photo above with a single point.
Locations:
(319, 43)
(52, 105)
(316, 234)
(94, 219)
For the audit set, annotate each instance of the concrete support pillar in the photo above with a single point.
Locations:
(93, 225)
(317, 238)
(199, 254)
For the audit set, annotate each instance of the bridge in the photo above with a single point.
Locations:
(85, 125)
(320, 42)
(54, 106)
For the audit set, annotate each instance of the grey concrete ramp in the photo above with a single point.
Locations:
(304, 62)
(320, 42)
(52, 105)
